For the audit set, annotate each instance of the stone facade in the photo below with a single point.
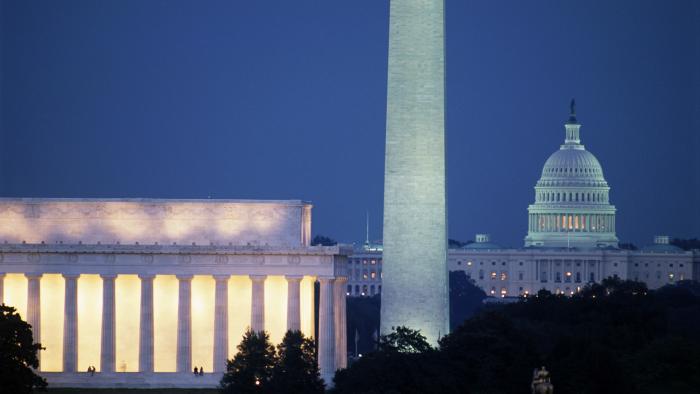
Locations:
(415, 217)
(111, 284)
(512, 272)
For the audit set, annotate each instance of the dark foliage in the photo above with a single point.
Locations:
(403, 340)
(465, 298)
(686, 244)
(296, 370)
(321, 240)
(455, 244)
(627, 246)
(18, 354)
(363, 322)
(614, 337)
(250, 370)
(403, 363)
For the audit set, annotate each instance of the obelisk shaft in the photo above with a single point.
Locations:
(414, 291)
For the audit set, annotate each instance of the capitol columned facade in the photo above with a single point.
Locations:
(571, 239)
(145, 290)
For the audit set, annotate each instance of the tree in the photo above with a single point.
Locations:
(686, 244)
(323, 241)
(403, 340)
(627, 246)
(18, 354)
(456, 244)
(613, 337)
(465, 298)
(251, 369)
(296, 370)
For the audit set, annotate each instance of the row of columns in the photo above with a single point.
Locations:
(330, 335)
(554, 222)
(599, 197)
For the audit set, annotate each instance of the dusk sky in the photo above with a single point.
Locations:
(286, 100)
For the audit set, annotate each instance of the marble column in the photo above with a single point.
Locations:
(184, 324)
(326, 330)
(257, 318)
(146, 324)
(34, 307)
(70, 324)
(107, 356)
(2, 288)
(340, 322)
(221, 322)
(294, 302)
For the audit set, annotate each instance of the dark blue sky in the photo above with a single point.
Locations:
(286, 99)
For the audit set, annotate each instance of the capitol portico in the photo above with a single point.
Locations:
(146, 290)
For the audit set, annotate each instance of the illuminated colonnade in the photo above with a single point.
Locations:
(144, 290)
(92, 320)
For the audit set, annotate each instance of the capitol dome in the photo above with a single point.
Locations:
(572, 207)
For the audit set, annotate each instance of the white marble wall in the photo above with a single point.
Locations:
(151, 221)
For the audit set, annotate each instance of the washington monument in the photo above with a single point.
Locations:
(414, 292)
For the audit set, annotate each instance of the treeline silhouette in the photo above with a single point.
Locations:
(614, 337)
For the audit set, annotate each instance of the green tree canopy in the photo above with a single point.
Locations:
(613, 337)
(403, 340)
(321, 240)
(18, 354)
(296, 370)
(251, 368)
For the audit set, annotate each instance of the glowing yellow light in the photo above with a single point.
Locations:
(276, 307)
(127, 291)
(52, 308)
(239, 309)
(203, 289)
(165, 293)
(307, 305)
(89, 321)
(16, 293)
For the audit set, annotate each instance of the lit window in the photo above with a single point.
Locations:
(503, 292)
(504, 275)
(373, 275)
(493, 290)
(494, 275)
(469, 263)
(374, 262)
(364, 276)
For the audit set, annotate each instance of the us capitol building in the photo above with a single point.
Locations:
(570, 242)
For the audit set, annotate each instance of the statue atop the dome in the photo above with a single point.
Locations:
(572, 112)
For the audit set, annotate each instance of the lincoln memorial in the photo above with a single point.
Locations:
(145, 290)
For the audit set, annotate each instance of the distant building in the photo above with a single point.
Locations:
(571, 239)
(508, 272)
(572, 204)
